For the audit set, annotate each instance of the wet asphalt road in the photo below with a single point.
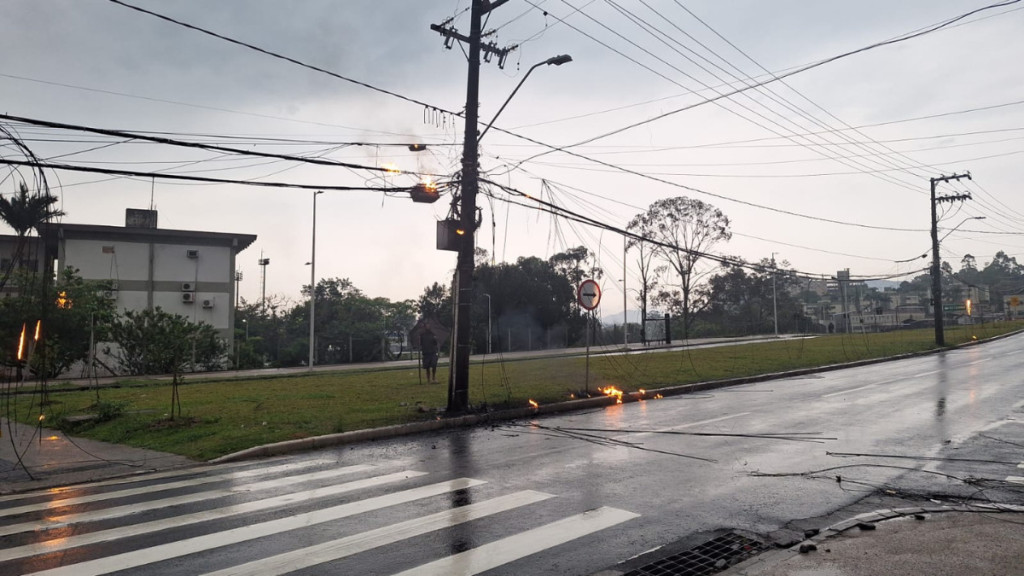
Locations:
(571, 494)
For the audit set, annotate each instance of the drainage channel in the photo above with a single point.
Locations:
(712, 556)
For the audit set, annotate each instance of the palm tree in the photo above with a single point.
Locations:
(25, 213)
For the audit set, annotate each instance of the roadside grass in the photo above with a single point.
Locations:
(223, 416)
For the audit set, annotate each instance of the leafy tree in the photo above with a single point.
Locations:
(152, 341)
(71, 310)
(436, 302)
(576, 264)
(686, 230)
(741, 300)
(344, 315)
(527, 296)
(24, 213)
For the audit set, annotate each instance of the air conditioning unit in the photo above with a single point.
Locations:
(188, 297)
(110, 294)
(207, 303)
(188, 287)
(192, 253)
(113, 284)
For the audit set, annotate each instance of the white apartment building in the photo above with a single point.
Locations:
(184, 272)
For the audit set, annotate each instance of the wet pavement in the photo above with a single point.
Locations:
(933, 433)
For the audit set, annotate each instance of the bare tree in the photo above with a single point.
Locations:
(685, 230)
(642, 225)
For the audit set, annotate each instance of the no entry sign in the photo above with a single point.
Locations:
(589, 294)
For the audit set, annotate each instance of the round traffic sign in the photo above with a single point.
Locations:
(589, 294)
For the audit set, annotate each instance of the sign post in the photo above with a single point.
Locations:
(589, 296)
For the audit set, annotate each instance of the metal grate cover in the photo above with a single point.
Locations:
(712, 556)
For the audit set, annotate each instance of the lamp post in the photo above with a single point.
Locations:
(458, 391)
(488, 323)
(312, 286)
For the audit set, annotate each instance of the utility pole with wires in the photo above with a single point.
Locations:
(465, 205)
(940, 337)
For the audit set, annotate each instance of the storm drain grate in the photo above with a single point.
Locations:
(712, 556)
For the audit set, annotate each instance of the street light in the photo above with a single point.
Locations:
(488, 323)
(312, 286)
(556, 60)
(966, 220)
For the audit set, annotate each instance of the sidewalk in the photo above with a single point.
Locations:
(49, 458)
(935, 540)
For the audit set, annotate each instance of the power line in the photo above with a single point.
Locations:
(552, 208)
(552, 148)
(112, 171)
(280, 56)
(898, 39)
(200, 145)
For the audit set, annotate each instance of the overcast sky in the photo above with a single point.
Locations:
(886, 120)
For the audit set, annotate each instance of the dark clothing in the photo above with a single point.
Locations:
(428, 346)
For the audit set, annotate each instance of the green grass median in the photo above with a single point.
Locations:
(223, 416)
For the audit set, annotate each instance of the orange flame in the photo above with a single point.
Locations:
(658, 396)
(21, 343)
(642, 391)
(612, 391)
(39, 328)
(391, 168)
(430, 184)
(534, 404)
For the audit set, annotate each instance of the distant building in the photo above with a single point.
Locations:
(31, 259)
(184, 272)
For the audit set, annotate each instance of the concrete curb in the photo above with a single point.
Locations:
(369, 434)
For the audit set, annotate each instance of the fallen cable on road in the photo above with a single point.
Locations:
(909, 457)
(576, 434)
(792, 436)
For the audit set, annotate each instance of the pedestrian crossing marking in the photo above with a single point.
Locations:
(54, 522)
(505, 550)
(188, 546)
(1015, 479)
(139, 477)
(155, 488)
(194, 518)
(350, 545)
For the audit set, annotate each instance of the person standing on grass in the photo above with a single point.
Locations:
(428, 347)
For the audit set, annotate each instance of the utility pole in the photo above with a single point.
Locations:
(940, 337)
(458, 384)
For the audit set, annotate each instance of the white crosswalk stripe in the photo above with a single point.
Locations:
(109, 532)
(503, 551)
(55, 522)
(214, 514)
(57, 503)
(314, 555)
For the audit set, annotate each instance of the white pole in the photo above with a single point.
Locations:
(312, 286)
(775, 305)
(625, 305)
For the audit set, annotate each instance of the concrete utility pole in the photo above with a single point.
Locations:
(312, 288)
(458, 388)
(940, 337)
